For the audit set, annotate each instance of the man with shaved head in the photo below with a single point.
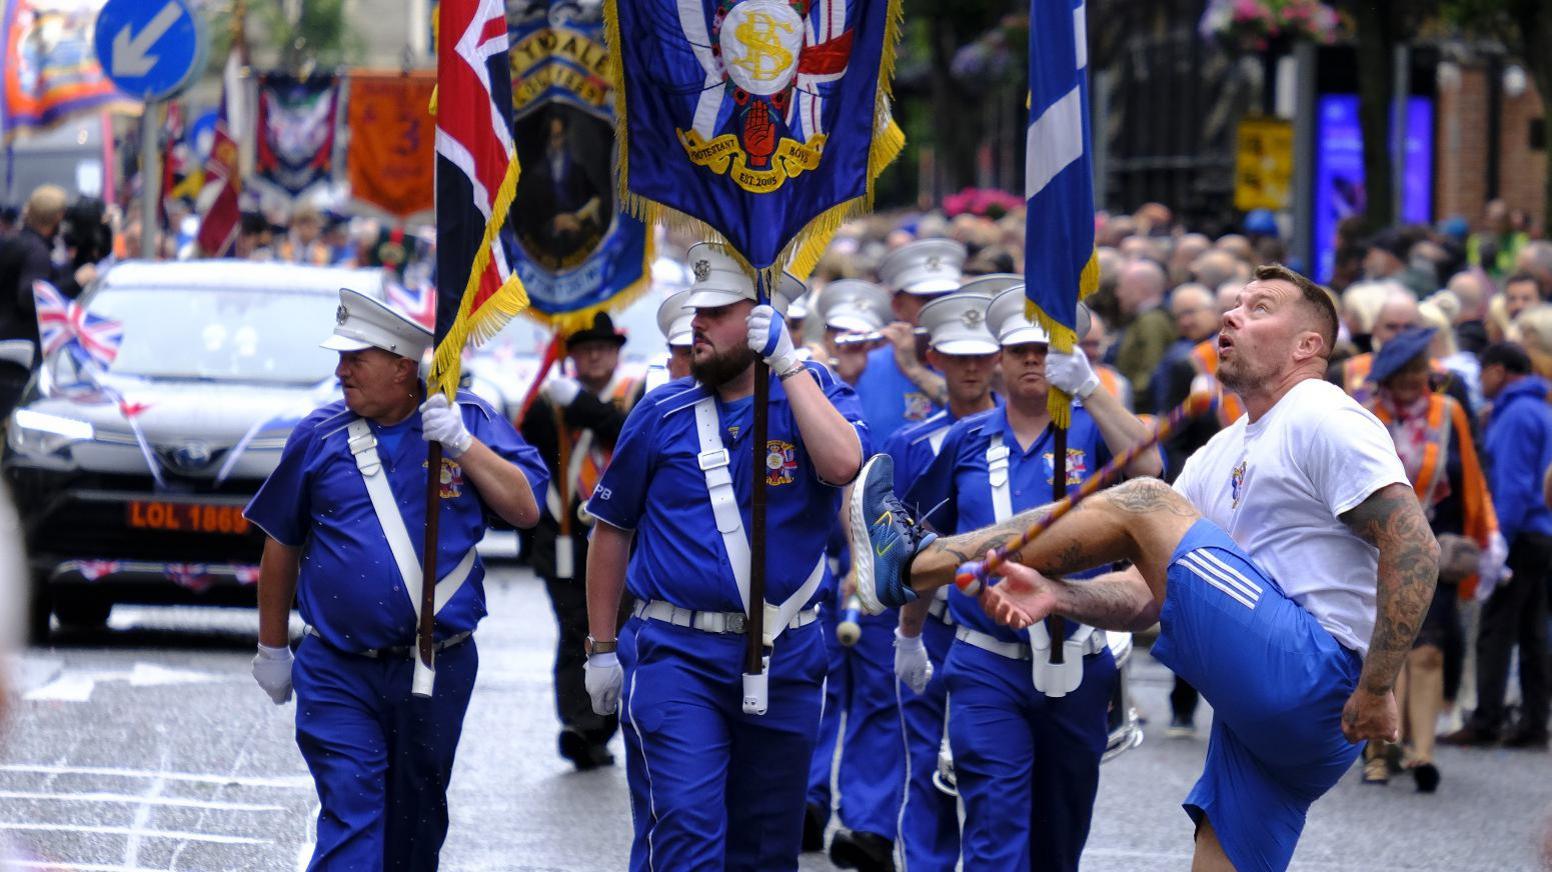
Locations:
(1148, 329)
(1470, 288)
(1397, 313)
(1194, 311)
(1289, 569)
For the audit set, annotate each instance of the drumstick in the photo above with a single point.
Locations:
(970, 576)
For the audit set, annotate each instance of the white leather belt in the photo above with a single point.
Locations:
(711, 622)
(939, 610)
(1018, 650)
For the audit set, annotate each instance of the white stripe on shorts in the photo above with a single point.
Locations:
(1215, 560)
(1209, 575)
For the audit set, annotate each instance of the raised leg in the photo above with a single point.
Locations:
(1141, 521)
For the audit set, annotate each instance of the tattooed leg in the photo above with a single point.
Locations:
(1141, 521)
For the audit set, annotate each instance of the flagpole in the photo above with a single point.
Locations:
(754, 655)
(425, 632)
(1055, 625)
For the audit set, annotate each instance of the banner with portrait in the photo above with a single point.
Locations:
(576, 252)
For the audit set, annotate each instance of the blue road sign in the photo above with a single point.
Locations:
(151, 49)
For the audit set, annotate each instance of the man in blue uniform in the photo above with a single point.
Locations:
(714, 787)
(1027, 734)
(853, 311)
(897, 388)
(343, 512)
(965, 351)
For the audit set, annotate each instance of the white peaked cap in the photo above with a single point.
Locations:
(925, 267)
(362, 322)
(674, 319)
(854, 306)
(956, 324)
(1006, 317)
(720, 280)
(992, 284)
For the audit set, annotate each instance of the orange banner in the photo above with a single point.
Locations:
(391, 159)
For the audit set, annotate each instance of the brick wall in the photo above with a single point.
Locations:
(1461, 175)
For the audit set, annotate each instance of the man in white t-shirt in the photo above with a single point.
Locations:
(1289, 570)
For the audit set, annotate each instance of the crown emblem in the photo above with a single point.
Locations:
(972, 317)
(934, 262)
(702, 269)
(341, 314)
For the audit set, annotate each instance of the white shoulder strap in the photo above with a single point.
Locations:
(715, 465)
(363, 446)
(997, 476)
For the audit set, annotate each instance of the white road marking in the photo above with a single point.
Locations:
(52, 866)
(289, 782)
(214, 838)
(73, 686)
(129, 798)
(304, 851)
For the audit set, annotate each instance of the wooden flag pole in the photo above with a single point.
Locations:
(1055, 625)
(754, 656)
(425, 634)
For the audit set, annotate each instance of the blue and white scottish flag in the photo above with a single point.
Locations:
(765, 120)
(1059, 264)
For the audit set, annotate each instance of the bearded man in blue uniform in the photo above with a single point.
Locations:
(712, 786)
(342, 512)
(1027, 734)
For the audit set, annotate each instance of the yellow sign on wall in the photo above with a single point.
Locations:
(1263, 164)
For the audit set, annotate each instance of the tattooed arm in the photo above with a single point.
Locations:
(1113, 601)
(1392, 521)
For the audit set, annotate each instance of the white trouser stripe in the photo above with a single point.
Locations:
(1238, 584)
(1217, 561)
(646, 770)
(1236, 595)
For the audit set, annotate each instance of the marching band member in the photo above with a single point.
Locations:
(574, 430)
(1027, 734)
(713, 786)
(897, 388)
(853, 312)
(343, 511)
(965, 351)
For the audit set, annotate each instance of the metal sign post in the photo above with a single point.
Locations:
(151, 51)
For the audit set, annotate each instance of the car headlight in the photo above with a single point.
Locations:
(39, 433)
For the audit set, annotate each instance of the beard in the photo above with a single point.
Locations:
(722, 367)
(1241, 374)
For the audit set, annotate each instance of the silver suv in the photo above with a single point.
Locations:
(130, 479)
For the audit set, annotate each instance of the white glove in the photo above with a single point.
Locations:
(911, 664)
(1492, 567)
(1071, 373)
(604, 678)
(272, 670)
(561, 390)
(440, 422)
(768, 337)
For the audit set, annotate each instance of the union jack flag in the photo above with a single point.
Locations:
(61, 321)
(476, 179)
(91, 570)
(417, 304)
(193, 576)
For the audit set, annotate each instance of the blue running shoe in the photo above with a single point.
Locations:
(884, 537)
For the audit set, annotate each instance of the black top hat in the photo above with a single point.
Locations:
(602, 330)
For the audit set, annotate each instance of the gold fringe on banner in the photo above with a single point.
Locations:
(567, 323)
(1063, 338)
(803, 252)
(494, 314)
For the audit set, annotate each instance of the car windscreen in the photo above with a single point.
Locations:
(222, 335)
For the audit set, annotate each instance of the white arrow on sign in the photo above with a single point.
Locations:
(129, 50)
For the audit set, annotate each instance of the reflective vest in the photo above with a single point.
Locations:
(582, 459)
(1204, 357)
(1447, 427)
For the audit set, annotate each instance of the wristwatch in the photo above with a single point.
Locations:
(593, 646)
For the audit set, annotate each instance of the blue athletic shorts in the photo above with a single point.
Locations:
(1277, 682)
